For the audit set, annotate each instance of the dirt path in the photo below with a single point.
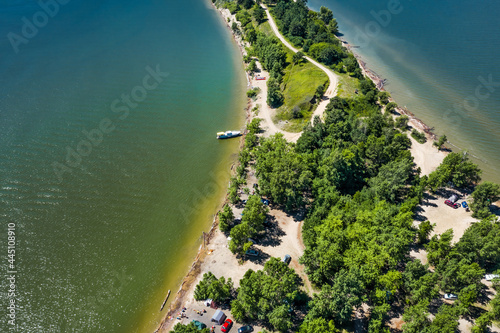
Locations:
(267, 112)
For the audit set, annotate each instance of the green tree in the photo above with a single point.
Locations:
(274, 96)
(495, 307)
(484, 195)
(441, 141)
(318, 325)
(384, 97)
(402, 121)
(280, 318)
(392, 179)
(446, 320)
(338, 300)
(262, 292)
(424, 230)
(297, 57)
(468, 296)
(391, 106)
(226, 217)
(259, 14)
(416, 318)
(455, 168)
(333, 27)
(325, 15)
(189, 328)
(252, 66)
(482, 323)
(212, 288)
(439, 247)
(239, 243)
(254, 214)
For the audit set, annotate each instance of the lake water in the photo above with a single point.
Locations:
(441, 61)
(109, 166)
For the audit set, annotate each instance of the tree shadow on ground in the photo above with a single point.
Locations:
(260, 259)
(272, 233)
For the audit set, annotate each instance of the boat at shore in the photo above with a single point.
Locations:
(228, 134)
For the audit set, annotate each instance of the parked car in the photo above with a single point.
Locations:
(452, 204)
(227, 325)
(450, 296)
(253, 253)
(264, 201)
(287, 259)
(245, 329)
(489, 277)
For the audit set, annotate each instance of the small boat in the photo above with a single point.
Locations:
(228, 134)
(165, 301)
(260, 77)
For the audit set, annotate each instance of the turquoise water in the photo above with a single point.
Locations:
(436, 56)
(106, 225)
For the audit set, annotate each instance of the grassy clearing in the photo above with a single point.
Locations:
(299, 86)
(265, 27)
(347, 85)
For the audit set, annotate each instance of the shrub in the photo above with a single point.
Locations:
(419, 136)
(402, 122)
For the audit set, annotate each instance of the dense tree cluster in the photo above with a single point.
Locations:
(456, 169)
(268, 295)
(190, 328)
(210, 287)
(252, 222)
(315, 33)
(354, 176)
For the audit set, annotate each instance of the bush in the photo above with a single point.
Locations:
(390, 107)
(252, 92)
(419, 136)
(226, 216)
(210, 287)
(402, 122)
(439, 144)
(384, 97)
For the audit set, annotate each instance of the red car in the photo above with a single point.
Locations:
(452, 204)
(227, 325)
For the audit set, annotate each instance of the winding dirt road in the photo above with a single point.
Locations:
(331, 91)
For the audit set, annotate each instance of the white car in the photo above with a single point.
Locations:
(489, 277)
(450, 296)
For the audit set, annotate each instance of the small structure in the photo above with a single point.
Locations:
(218, 317)
(210, 303)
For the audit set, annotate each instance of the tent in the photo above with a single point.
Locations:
(210, 303)
(219, 317)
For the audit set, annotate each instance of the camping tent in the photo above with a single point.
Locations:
(219, 317)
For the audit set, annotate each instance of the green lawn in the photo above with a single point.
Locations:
(348, 85)
(299, 86)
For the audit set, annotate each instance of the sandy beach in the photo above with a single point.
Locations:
(284, 236)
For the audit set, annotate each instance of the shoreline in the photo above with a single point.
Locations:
(195, 270)
(167, 322)
(425, 154)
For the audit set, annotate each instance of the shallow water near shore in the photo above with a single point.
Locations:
(101, 240)
(440, 59)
